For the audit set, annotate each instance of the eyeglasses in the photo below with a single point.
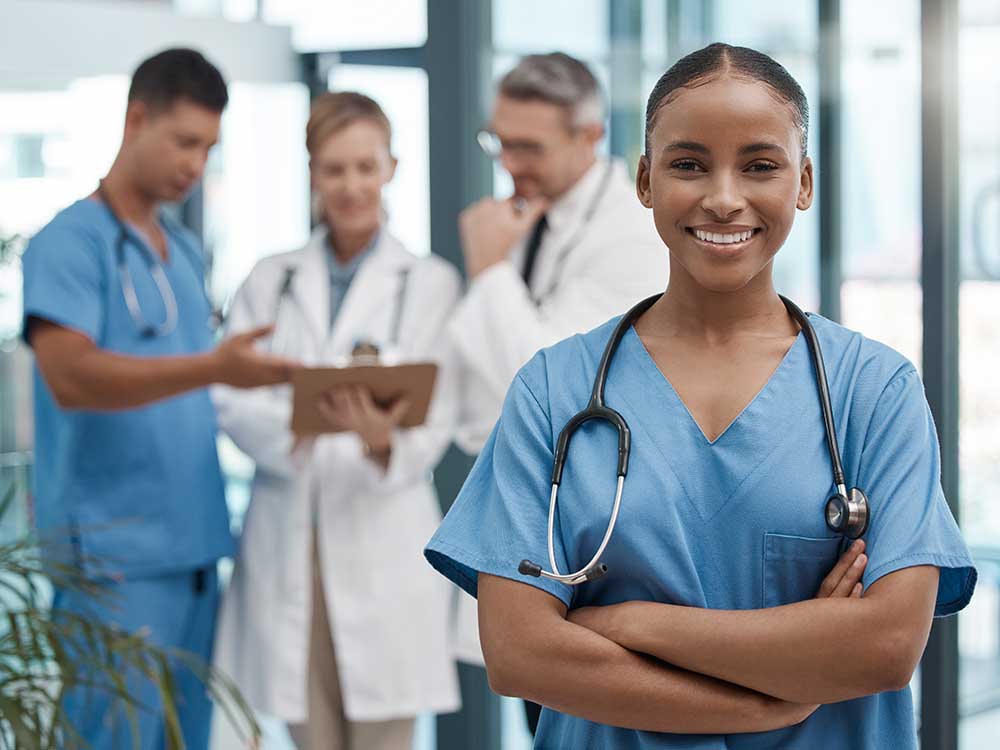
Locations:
(494, 148)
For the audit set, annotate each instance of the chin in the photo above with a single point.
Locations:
(723, 280)
(356, 224)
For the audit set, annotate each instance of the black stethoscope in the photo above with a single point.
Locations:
(170, 317)
(846, 513)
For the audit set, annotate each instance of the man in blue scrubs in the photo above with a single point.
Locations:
(127, 481)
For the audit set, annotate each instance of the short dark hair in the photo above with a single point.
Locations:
(702, 65)
(175, 74)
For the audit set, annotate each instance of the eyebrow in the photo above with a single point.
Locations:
(750, 148)
(686, 146)
(753, 148)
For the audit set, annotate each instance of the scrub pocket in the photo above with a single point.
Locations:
(795, 566)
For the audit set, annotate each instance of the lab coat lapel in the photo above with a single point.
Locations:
(311, 286)
(368, 307)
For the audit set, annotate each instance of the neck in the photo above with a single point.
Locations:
(581, 172)
(688, 309)
(346, 246)
(130, 203)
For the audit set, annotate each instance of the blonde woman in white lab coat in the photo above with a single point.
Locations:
(333, 622)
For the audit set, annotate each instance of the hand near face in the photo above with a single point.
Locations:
(489, 229)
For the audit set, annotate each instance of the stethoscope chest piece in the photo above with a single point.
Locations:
(848, 514)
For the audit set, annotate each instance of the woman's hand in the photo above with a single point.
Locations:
(844, 581)
(351, 408)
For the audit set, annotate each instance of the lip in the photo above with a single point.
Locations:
(728, 250)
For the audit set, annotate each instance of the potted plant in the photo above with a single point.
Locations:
(44, 654)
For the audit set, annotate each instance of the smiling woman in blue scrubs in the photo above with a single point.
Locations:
(127, 483)
(722, 543)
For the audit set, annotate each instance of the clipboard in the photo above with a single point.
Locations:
(414, 382)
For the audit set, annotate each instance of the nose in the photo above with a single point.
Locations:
(724, 197)
(196, 165)
(353, 183)
(512, 163)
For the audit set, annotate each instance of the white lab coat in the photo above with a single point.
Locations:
(586, 272)
(389, 610)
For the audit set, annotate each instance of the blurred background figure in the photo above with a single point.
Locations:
(571, 248)
(127, 480)
(332, 622)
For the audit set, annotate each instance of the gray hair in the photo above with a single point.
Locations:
(558, 79)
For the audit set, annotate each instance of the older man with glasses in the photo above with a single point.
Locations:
(570, 249)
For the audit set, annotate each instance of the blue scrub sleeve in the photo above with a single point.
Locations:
(63, 280)
(501, 514)
(900, 471)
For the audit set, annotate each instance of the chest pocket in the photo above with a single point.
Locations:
(795, 566)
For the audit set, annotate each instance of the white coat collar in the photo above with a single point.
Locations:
(568, 210)
(374, 284)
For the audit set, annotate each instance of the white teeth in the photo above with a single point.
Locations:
(723, 239)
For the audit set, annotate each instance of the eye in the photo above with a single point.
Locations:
(686, 165)
(762, 166)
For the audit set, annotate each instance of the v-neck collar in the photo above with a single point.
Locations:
(711, 473)
(643, 352)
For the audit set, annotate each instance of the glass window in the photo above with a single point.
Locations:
(577, 27)
(880, 172)
(344, 24)
(979, 321)
(402, 93)
(256, 184)
(54, 145)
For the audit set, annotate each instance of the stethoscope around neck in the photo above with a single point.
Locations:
(363, 349)
(846, 513)
(147, 330)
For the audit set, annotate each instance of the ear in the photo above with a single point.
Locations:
(642, 182)
(136, 115)
(805, 198)
(393, 163)
(592, 133)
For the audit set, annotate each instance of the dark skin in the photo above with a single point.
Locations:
(725, 159)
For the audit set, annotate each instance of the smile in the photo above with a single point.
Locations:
(718, 238)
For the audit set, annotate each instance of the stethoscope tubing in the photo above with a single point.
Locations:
(597, 410)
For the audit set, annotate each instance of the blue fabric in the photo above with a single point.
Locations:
(173, 615)
(736, 523)
(342, 274)
(132, 492)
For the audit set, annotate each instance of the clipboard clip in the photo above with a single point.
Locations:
(365, 352)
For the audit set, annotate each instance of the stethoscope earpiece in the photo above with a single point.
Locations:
(848, 516)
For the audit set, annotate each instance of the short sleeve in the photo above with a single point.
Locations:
(501, 515)
(911, 523)
(63, 281)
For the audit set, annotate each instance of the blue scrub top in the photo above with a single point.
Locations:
(736, 523)
(139, 491)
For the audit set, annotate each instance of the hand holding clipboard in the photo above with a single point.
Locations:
(409, 383)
